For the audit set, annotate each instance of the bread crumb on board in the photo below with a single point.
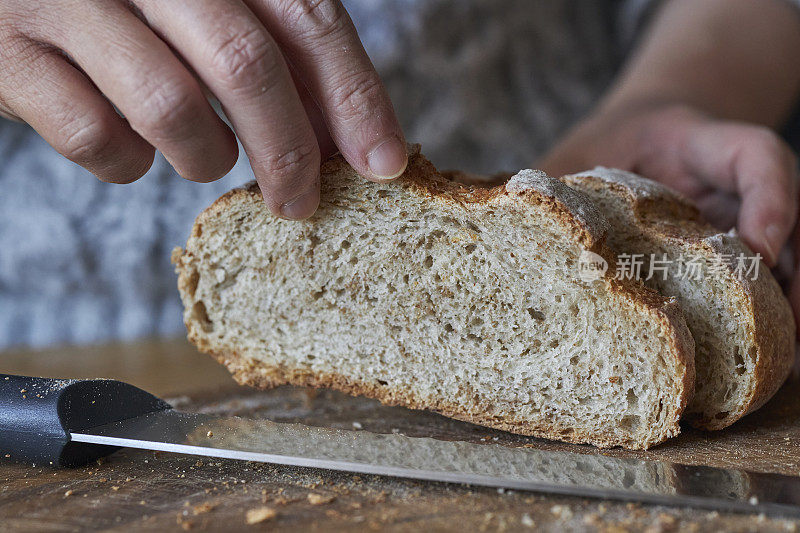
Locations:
(319, 499)
(260, 514)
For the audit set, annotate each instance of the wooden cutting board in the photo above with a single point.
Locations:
(138, 490)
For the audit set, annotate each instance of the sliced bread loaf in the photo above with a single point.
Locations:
(743, 327)
(428, 294)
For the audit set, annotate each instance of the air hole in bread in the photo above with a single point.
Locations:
(200, 315)
(633, 399)
(738, 361)
(470, 248)
(191, 284)
(630, 421)
(535, 314)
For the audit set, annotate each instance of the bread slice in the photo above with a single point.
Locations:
(743, 328)
(424, 293)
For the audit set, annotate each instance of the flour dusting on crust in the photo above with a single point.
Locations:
(579, 204)
(639, 186)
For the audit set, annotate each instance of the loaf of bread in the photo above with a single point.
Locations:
(742, 323)
(428, 294)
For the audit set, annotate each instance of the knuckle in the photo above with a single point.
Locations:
(358, 95)
(768, 141)
(778, 153)
(246, 60)
(85, 140)
(318, 19)
(167, 110)
(290, 167)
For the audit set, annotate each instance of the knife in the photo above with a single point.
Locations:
(67, 423)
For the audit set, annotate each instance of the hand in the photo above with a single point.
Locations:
(277, 67)
(736, 172)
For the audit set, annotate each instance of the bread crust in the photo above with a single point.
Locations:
(588, 227)
(665, 215)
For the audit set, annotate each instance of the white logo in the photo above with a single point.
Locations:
(591, 266)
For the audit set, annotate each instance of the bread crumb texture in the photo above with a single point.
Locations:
(743, 327)
(428, 294)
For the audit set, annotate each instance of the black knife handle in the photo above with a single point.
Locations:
(37, 416)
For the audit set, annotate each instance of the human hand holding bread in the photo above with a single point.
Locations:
(291, 75)
(696, 109)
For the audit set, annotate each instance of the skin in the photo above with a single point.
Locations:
(697, 107)
(291, 75)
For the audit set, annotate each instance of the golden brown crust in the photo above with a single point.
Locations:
(422, 178)
(664, 215)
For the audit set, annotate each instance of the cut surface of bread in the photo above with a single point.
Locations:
(427, 294)
(743, 327)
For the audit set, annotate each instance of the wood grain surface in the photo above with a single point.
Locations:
(139, 490)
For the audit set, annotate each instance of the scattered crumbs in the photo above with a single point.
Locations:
(527, 521)
(128, 479)
(115, 488)
(204, 507)
(210, 434)
(23, 391)
(357, 425)
(260, 514)
(591, 519)
(501, 490)
(142, 502)
(753, 500)
(69, 493)
(667, 520)
(320, 499)
(561, 511)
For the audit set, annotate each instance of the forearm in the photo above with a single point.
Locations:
(734, 59)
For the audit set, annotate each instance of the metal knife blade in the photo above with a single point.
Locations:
(492, 465)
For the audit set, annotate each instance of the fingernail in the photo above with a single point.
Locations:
(302, 206)
(388, 159)
(773, 235)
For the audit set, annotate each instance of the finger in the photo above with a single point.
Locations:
(794, 290)
(157, 94)
(231, 51)
(761, 169)
(327, 147)
(44, 90)
(321, 42)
